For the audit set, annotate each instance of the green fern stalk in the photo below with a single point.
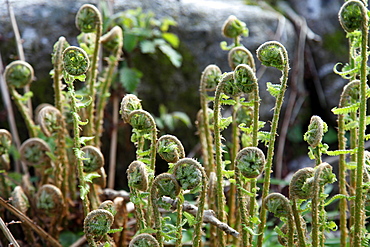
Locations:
(282, 63)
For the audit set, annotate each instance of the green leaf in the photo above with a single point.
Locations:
(182, 117)
(130, 78)
(250, 230)
(228, 174)
(115, 230)
(190, 218)
(84, 139)
(166, 23)
(172, 39)
(273, 89)
(246, 192)
(90, 176)
(130, 42)
(338, 152)
(84, 191)
(147, 46)
(346, 110)
(334, 198)
(147, 230)
(173, 55)
(225, 122)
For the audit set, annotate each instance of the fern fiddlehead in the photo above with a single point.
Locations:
(75, 64)
(137, 177)
(349, 97)
(89, 20)
(190, 174)
(57, 72)
(33, 152)
(144, 240)
(114, 41)
(323, 175)
(300, 188)
(314, 135)
(170, 148)
(279, 205)
(18, 74)
(353, 16)
(97, 224)
(50, 207)
(208, 82)
(164, 184)
(272, 54)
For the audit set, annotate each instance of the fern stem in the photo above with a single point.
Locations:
(270, 152)
(359, 210)
(220, 199)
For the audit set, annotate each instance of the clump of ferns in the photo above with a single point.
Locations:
(19, 74)
(353, 17)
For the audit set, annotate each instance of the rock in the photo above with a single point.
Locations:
(42, 22)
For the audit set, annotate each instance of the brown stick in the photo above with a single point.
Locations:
(27, 221)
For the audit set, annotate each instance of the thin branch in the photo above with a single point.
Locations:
(8, 234)
(208, 217)
(27, 221)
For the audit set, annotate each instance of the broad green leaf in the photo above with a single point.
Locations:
(130, 42)
(183, 117)
(166, 23)
(173, 55)
(147, 46)
(172, 39)
(130, 78)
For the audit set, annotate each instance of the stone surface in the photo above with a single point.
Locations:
(199, 29)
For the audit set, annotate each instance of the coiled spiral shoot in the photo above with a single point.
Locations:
(170, 148)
